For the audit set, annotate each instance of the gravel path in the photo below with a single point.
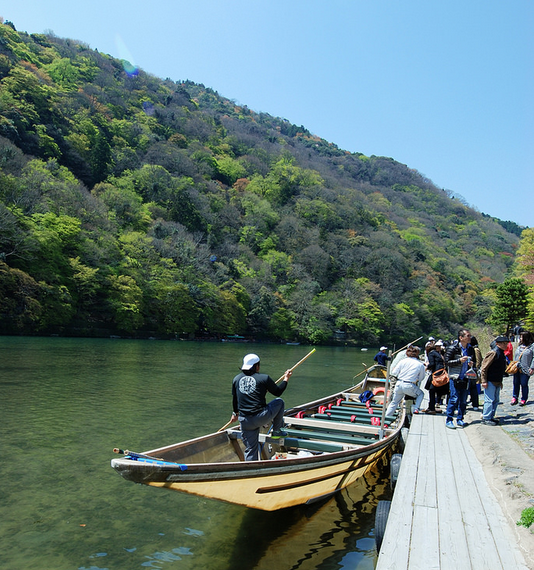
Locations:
(517, 421)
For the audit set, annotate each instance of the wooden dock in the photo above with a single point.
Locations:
(443, 514)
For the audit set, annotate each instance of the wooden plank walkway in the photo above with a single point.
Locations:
(443, 514)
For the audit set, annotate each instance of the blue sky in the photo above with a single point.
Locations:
(446, 88)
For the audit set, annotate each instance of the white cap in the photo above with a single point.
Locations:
(249, 361)
(431, 338)
(383, 348)
(439, 343)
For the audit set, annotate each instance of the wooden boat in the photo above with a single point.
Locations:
(331, 442)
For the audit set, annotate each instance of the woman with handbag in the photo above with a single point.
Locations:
(523, 357)
(435, 362)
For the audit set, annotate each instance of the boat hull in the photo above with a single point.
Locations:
(267, 487)
(334, 456)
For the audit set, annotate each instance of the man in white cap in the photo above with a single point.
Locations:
(381, 357)
(249, 388)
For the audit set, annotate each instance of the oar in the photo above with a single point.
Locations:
(134, 454)
(406, 346)
(297, 364)
(360, 373)
(279, 380)
(226, 425)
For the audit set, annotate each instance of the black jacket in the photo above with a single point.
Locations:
(493, 366)
(454, 354)
(248, 392)
(435, 360)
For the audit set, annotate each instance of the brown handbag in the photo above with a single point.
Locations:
(440, 377)
(513, 366)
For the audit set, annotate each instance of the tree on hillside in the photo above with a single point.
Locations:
(511, 305)
(525, 269)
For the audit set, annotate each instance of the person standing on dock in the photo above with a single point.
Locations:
(249, 389)
(410, 371)
(492, 372)
(458, 357)
(435, 362)
(524, 356)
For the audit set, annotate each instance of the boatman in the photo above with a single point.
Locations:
(381, 357)
(249, 388)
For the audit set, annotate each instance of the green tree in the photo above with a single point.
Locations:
(363, 322)
(125, 204)
(57, 238)
(174, 309)
(58, 308)
(229, 170)
(100, 154)
(282, 325)
(525, 269)
(511, 305)
(125, 299)
(291, 179)
(20, 309)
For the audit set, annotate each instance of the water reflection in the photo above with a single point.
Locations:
(319, 536)
(334, 534)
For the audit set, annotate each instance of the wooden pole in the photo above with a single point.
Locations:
(226, 425)
(406, 346)
(382, 431)
(297, 364)
(360, 373)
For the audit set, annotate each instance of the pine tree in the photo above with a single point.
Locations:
(511, 305)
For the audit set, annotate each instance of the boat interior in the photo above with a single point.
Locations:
(329, 425)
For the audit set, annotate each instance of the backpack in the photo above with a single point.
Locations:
(366, 396)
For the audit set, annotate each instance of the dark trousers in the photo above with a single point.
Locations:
(435, 393)
(521, 382)
(250, 426)
(473, 393)
(457, 401)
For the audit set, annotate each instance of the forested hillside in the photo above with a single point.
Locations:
(137, 206)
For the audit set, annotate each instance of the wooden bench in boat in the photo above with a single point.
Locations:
(295, 442)
(325, 446)
(351, 405)
(365, 420)
(328, 424)
(328, 436)
(332, 429)
(358, 405)
(348, 413)
(359, 412)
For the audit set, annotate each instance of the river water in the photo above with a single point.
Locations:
(66, 403)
